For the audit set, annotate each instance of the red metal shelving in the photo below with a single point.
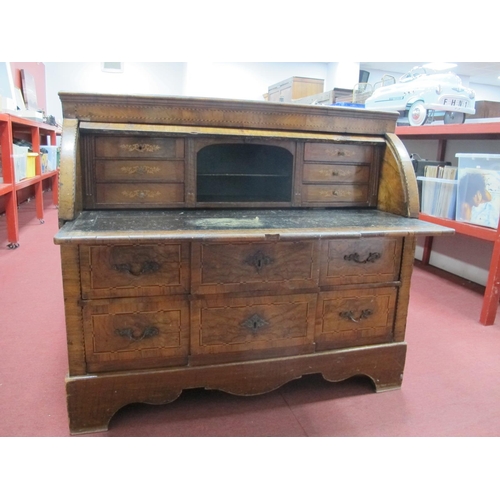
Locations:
(13, 127)
(475, 131)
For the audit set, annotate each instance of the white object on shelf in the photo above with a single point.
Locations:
(20, 158)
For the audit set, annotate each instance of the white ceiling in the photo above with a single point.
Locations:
(484, 73)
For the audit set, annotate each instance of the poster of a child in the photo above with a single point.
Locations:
(478, 197)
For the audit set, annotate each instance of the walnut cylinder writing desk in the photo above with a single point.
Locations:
(230, 245)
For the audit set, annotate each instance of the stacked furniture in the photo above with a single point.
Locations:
(231, 245)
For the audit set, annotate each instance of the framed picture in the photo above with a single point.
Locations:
(29, 90)
(7, 92)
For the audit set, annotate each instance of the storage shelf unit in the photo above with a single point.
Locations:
(469, 131)
(39, 134)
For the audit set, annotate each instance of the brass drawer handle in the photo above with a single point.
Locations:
(129, 333)
(365, 313)
(259, 260)
(372, 257)
(147, 267)
(254, 323)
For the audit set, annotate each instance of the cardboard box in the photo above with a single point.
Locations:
(478, 193)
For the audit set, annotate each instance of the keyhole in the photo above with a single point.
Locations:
(259, 263)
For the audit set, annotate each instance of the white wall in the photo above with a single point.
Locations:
(197, 79)
(137, 78)
(249, 80)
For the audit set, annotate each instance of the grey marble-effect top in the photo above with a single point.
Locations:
(239, 223)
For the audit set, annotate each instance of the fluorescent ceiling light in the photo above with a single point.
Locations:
(440, 66)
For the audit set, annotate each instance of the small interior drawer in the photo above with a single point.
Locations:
(139, 171)
(335, 193)
(333, 173)
(138, 147)
(139, 195)
(339, 153)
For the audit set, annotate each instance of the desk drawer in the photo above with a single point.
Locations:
(355, 317)
(139, 147)
(140, 195)
(127, 334)
(139, 171)
(360, 260)
(331, 173)
(343, 153)
(230, 267)
(134, 270)
(241, 327)
(331, 194)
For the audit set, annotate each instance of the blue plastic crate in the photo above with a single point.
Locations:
(349, 104)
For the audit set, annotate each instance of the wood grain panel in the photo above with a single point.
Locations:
(70, 264)
(89, 411)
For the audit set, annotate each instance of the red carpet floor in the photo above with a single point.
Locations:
(450, 386)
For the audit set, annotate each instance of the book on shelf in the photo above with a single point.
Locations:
(439, 191)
